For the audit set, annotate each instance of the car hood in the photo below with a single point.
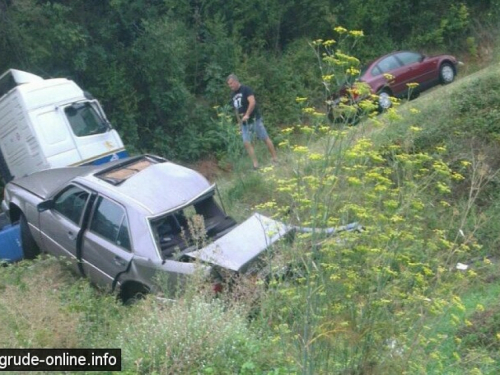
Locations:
(243, 244)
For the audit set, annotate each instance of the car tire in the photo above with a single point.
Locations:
(131, 293)
(446, 73)
(384, 100)
(28, 244)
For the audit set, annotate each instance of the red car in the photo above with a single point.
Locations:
(390, 75)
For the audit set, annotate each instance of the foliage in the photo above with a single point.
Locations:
(483, 331)
(475, 104)
(395, 25)
(160, 66)
(43, 306)
(231, 147)
(190, 336)
(353, 286)
(469, 135)
(340, 72)
(42, 37)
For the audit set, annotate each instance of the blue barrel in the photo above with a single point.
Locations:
(10, 243)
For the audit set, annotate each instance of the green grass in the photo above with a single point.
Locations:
(472, 347)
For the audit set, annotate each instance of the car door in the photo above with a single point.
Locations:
(424, 71)
(408, 72)
(391, 65)
(61, 224)
(106, 247)
(418, 69)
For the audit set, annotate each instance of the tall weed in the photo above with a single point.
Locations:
(192, 336)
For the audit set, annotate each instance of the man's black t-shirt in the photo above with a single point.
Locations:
(239, 99)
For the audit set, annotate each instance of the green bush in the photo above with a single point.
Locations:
(195, 336)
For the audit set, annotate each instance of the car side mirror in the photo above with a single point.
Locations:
(423, 57)
(45, 205)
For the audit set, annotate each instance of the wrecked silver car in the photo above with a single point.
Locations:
(124, 222)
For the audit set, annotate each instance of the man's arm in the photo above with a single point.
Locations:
(251, 106)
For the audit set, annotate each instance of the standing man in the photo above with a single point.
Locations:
(249, 118)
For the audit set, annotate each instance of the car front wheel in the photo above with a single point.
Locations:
(132, 292)
(446, 73)
(29, 246)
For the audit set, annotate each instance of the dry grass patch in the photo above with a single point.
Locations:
(31, 314)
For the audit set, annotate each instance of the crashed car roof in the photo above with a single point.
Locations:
(154, 183)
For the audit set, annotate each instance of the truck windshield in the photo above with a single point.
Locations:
(85, 120)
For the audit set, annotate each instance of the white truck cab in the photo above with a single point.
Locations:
(50, 123)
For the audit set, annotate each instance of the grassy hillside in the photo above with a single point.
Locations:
(416, 292)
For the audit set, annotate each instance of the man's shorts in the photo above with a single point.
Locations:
(252, 129)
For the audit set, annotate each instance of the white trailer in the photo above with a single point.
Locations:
(49, 123)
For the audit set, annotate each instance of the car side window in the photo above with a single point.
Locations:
(110, 222)
(388, 64)
(71, 203)
(376, 71)
(408, 58)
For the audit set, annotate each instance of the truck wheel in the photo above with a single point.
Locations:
(30, 248)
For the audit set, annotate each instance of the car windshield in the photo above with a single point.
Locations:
(190, 227)
(85, 119)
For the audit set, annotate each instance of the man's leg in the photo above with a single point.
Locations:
(251, 153)
(248, 133)
(262, 134)
(271, 149)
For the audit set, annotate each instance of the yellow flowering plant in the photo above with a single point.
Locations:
(382, 280)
